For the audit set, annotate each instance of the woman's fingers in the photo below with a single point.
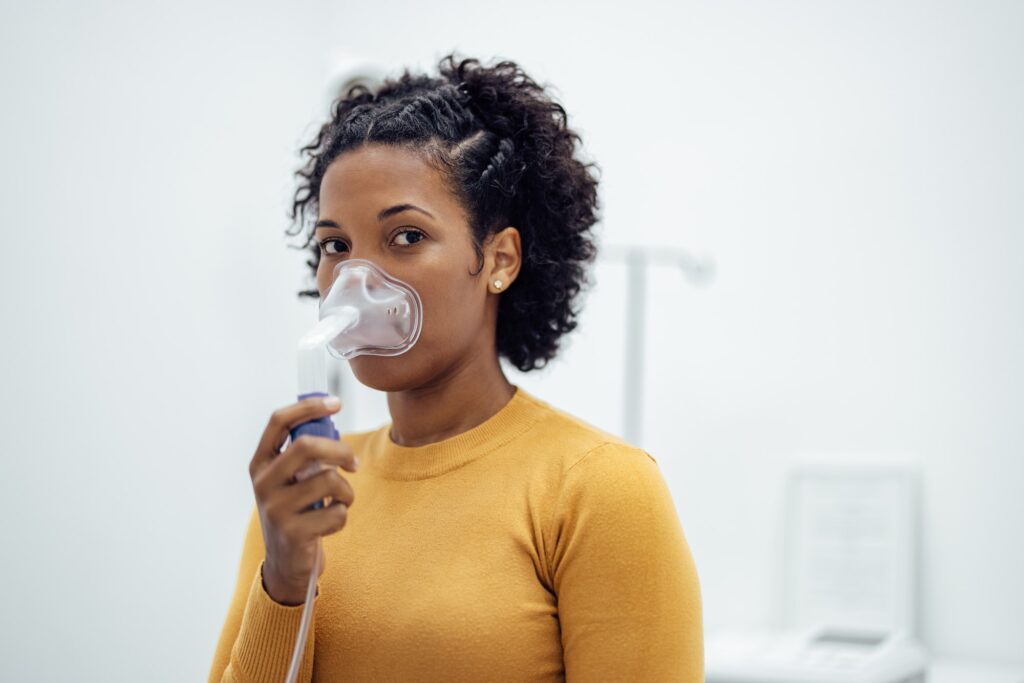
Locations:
(326, 520)
(301, 454)
(328, 483)
(329, 519)
(280, 424)
(286, 509)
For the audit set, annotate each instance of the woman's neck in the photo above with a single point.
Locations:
(455, 403)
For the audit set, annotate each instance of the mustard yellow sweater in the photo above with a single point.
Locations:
(533, 547)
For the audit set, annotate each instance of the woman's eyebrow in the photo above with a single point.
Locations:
(384, 213)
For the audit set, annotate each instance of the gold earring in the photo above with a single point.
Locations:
(497, 284)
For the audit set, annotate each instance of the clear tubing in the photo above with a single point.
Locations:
(307, 616)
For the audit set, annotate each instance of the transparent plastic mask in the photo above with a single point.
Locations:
(387, 312)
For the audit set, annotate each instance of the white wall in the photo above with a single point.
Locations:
(854, 168)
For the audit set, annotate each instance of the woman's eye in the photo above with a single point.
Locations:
(409, 239)
(325, 249)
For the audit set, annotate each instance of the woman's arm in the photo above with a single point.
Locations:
(628, 594)
(258, 635)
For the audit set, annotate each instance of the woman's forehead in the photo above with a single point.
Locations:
(377, 168)
(362, 182)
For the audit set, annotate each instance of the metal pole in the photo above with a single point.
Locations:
(636, 298)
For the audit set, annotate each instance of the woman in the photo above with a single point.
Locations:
(497, 538)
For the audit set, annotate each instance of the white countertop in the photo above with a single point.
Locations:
(963, 671)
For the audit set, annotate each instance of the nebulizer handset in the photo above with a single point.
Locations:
(365, 312)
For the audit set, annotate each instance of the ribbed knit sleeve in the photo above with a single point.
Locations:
(628, 595)
(258, 635)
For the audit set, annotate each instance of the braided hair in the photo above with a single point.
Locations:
(503, 148)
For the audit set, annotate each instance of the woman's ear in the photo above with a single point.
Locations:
(504, 258)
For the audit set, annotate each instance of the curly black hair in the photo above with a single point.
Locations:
(503, 148)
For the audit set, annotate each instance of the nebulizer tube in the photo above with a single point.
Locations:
(365, 312)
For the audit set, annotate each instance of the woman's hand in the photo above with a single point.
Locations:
(291, 533)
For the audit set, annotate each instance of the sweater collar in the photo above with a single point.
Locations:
(392, 461)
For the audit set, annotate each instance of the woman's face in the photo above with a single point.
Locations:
(429, 247)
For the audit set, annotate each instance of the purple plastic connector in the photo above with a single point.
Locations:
(322, 426)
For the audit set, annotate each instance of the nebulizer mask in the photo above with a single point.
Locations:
(365, 312)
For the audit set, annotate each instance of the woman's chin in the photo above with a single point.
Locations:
(384, 373)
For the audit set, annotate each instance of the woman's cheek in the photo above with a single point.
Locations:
(435, 331)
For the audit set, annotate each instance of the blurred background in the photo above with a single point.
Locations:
(852, 170)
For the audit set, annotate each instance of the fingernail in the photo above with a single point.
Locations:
(355, 462)
(332, 402)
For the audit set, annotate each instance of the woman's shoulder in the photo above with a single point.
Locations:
(576, 438)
